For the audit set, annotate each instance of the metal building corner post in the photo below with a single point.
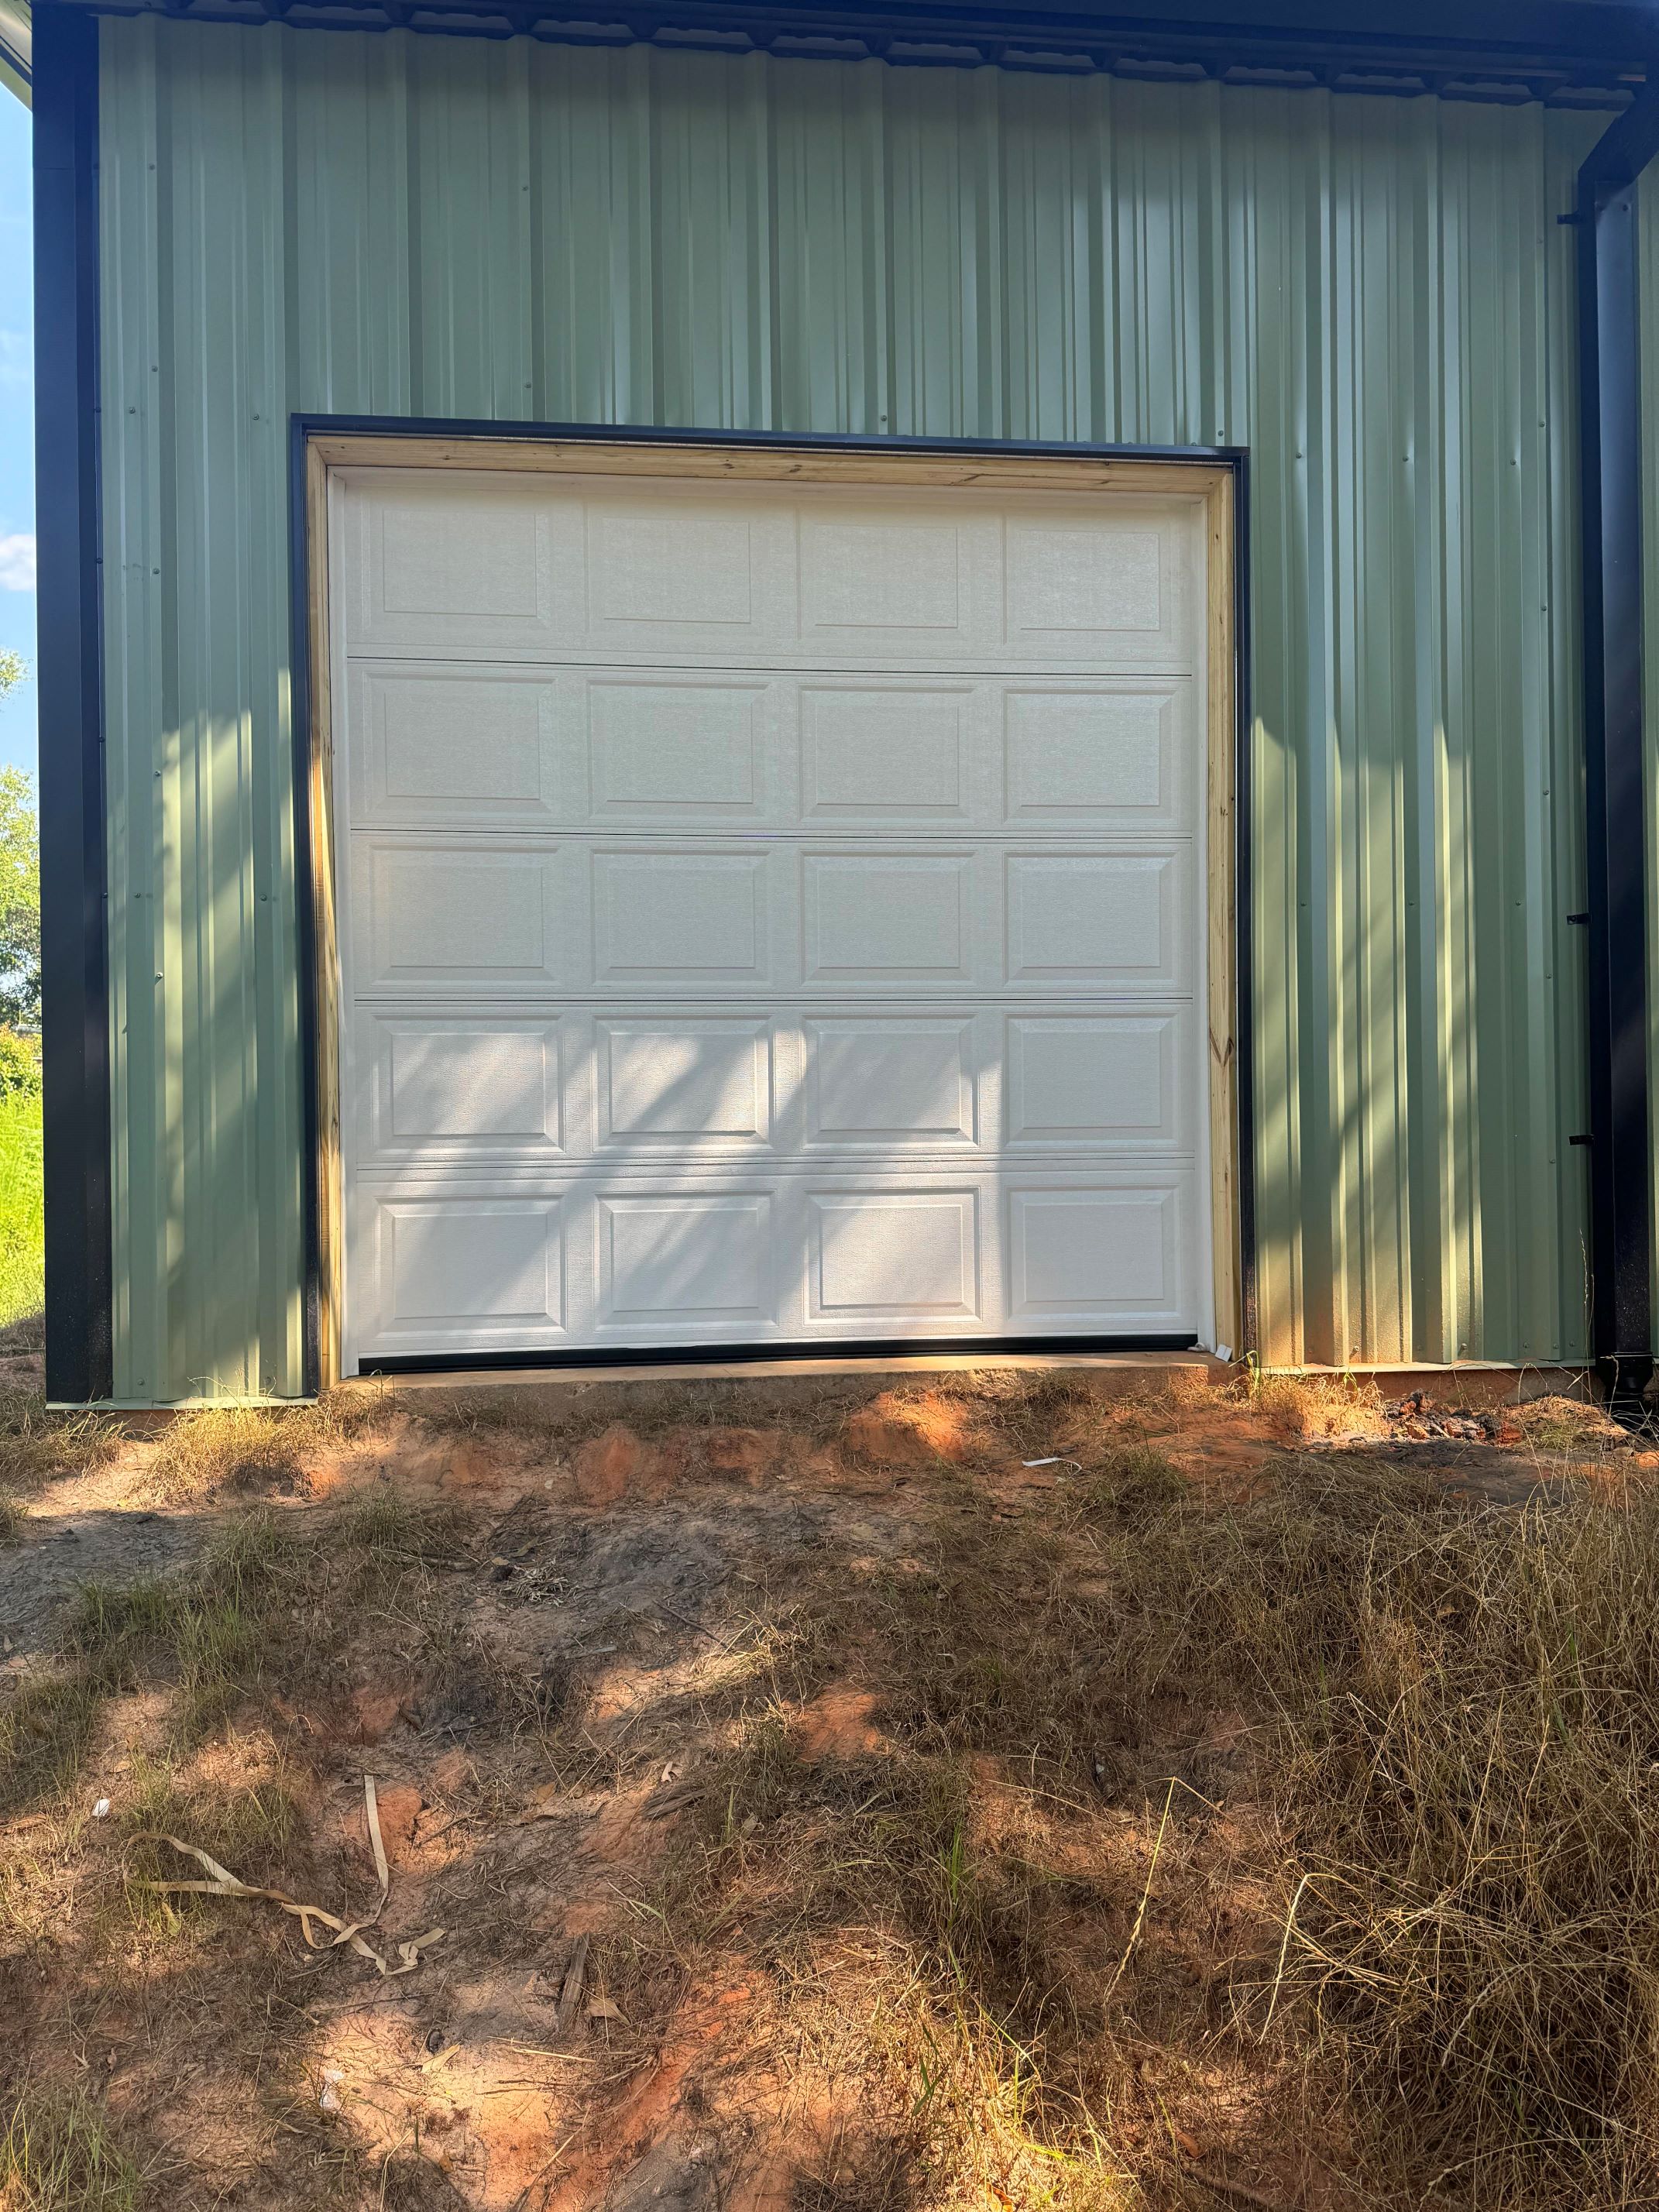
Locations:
(1620, 1164)
(73, 923)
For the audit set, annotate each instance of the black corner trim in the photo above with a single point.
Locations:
(1611, 467)
(306, 914)
(304, 427)
(73, 886)
(1244, 912)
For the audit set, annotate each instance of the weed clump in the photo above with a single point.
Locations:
(58, 2155)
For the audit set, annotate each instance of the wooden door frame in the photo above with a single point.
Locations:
(1217, 476)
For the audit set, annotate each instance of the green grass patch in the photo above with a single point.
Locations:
(56, 2155)
(22, 1212)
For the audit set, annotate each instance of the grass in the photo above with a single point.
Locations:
(270, 1604)
(1327, 1818)
(1444, 1798)
(57, 2155)
(22, 1266)
(243, 1447)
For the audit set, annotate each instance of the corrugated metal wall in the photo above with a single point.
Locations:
(1373, 295)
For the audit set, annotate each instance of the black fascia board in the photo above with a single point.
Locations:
(1540, 48)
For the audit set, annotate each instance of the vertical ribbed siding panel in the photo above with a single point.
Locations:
(348, 211)
(137, 553)
(1372, 295)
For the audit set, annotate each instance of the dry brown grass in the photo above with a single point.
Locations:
(268, 1606)
(1446, 1746)
(233, 1447)
(1305, 1845)
(37, 1447)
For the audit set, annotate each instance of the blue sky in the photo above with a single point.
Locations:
(17, 721)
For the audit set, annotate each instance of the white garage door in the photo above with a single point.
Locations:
(770, 912)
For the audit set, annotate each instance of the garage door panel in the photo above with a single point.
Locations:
(678, 1261)
(451, 917)
(686, 746)
(892, 749)
(577, 569)
(482, 1089)
(770, 913)
(436, 743)
(911, 584)
(903, 1258)
(1110, 587)
(888, 919)
(1119, 754)
(446, 563)
(885, 1081)
(1093, 1257)
(1108, 920)
(679, 569)
(677, 1084)
(665, 914)
(459, 1272)
(1119, 1080)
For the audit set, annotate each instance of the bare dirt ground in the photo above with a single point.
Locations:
(979, 1792)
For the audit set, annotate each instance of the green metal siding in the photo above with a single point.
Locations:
(1372, 294)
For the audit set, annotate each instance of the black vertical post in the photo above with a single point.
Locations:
(1609, 325)
(74, 960)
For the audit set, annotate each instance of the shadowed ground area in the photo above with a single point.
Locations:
(833, 1797)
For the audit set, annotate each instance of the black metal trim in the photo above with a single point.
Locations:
(1555, 50)
(74, 889)
(1243, 913)
(306, 914)
(1611, 489)
(874, 1349)
(304, 427)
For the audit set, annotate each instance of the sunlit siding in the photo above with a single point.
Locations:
(1373, 295)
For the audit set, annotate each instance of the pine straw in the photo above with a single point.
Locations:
(1442, 1784)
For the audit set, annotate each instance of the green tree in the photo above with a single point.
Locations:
(19, 902)
(13, 670)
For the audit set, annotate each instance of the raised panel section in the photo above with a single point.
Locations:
(664, 915)
(874, 917)
(1112, 753)
(682, 1085)
(1076, 579)
(442, 746)
(453, 563)
(906, 1079)
(1093, 1080)
(685, 1262)
(675, 747)
(882, 573)
(885, 749)
(1108, 588)
(461, 1271)
(1088, 1254)
(1108, 919)
(686, 566)
(456, 1089)
(455, 917)
(893, 1255)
